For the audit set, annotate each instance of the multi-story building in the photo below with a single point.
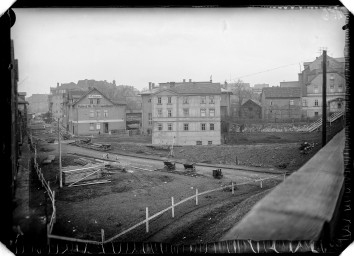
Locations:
(38, 103)
(95, 113)
(188, 114)
(281, 103)
(311, 81)
(69, 98)
(146, 96)
(257, 88)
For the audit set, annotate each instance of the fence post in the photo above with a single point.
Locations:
(54, 209)
(48, 241)
(173, 207)
(102, 235)
(196, 196)
(232, 187)
(147, 219)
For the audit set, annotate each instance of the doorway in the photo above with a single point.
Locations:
(105, 129)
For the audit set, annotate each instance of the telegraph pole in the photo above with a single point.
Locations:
(324, 102)
(60, 171)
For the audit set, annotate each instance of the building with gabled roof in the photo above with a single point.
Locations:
(94, 113)
(281, 103)
(251, 109)
(188, 114)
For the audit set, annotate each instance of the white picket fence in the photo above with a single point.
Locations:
(172, 208)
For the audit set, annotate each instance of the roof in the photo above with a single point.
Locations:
(252, 100)
(282, 92)
(21, 101)
(94, 89)
(196, 88)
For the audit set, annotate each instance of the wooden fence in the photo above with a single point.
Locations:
(172, 208)
(50, 192)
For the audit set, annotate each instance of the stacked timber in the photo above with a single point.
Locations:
(88, 172)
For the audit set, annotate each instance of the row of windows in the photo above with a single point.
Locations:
(304, 103)
(185, 127)
(203, 112)
(331, 87)
(203, 100)
(92, 126)
(199, 142)
(95, 101)
(98, 113)
(291, 102)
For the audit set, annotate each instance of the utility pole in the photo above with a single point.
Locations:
(60, 171)
(324, 103)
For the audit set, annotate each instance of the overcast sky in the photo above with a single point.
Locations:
(137, 46)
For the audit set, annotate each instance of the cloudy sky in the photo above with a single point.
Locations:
(137, 46)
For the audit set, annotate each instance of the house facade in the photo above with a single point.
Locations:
(251, 109)
(187, 115)
(281, 103)
(95, 113)
(38, 103)
(311, 80)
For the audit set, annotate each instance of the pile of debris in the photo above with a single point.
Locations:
(86, 143)
(306, 147)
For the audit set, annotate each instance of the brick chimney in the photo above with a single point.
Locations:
(190, 80)
(57, 85)
(184, 80)
(150, 85)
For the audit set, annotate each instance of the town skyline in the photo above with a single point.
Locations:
(255, 45)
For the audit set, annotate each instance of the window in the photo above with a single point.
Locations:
(169, 112)
(315, 88)
(340, 87)
(159, 127)
(211, 99)
(185, 100)
(186, 112)
(91, 101)
(186, 127)
(105, 113)
(98, 126)
(203, 127)
(203, 112)
(291, 102)
(210, 142)
(92, 126)
(339, 105)
(211, 127)
(199, 142)
(98, 101)
(211, 112)
(202, 99)
(316, 113)
(169, 127)
(159, 112)
(149, 100)
(271, 103)
(316, 102)
(159, 100)
(98, 113)
(250, 108)
(304, 103)
(169, 100)
(150, 118)
(92, 114)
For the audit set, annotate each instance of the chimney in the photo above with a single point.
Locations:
(150, 86)
(184, 80)
(153, 85)
(190, 80)
(57, 85)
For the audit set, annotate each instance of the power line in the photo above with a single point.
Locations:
(252, 74)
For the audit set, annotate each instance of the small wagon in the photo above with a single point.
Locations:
(217, 174)
(189, 166)
(170, 165)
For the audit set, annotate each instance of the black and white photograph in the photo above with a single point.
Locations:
(179, 130)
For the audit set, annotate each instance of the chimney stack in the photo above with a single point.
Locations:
(57, 85)
(184, 80)
(153, 85)
(150, 86)
(190, 80)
